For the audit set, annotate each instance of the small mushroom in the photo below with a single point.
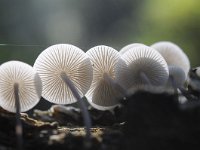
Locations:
(20, 90)
(127, 47)
(105, 92)
(66, 74)
(173, 55)
(145, 66)
(177, 76)
(197, 71)
(194, 80)
(21, 77)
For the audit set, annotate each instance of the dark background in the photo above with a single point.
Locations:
(28, 27)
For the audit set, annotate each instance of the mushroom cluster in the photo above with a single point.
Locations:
(64, 74)
(102, 74)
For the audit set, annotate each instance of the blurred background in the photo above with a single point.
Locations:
(28, 27)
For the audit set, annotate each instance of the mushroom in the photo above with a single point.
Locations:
(127, 47)
(198, 71)
(173, 55)
(194, 80)
(177, 76)
(177, 60)
(20, 90)
(105, 92)
(145, 66)
(66, 74)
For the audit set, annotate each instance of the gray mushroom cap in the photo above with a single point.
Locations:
(30, 85)
(178, 76)
(67, 59)
(102, 95)
(193, 80)
(198, 71)
(144, 64)
(173, 55)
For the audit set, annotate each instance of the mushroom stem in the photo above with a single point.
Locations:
(114, 84)
(86, 117)
(145, 78)
(18, 128)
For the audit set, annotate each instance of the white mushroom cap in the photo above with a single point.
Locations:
(68, 59)
(144, 64)
(102, 95)
(173, 55)
(127, 47)
(30, 85)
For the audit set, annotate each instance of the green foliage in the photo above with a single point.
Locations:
(174, 20)
(90, 23)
